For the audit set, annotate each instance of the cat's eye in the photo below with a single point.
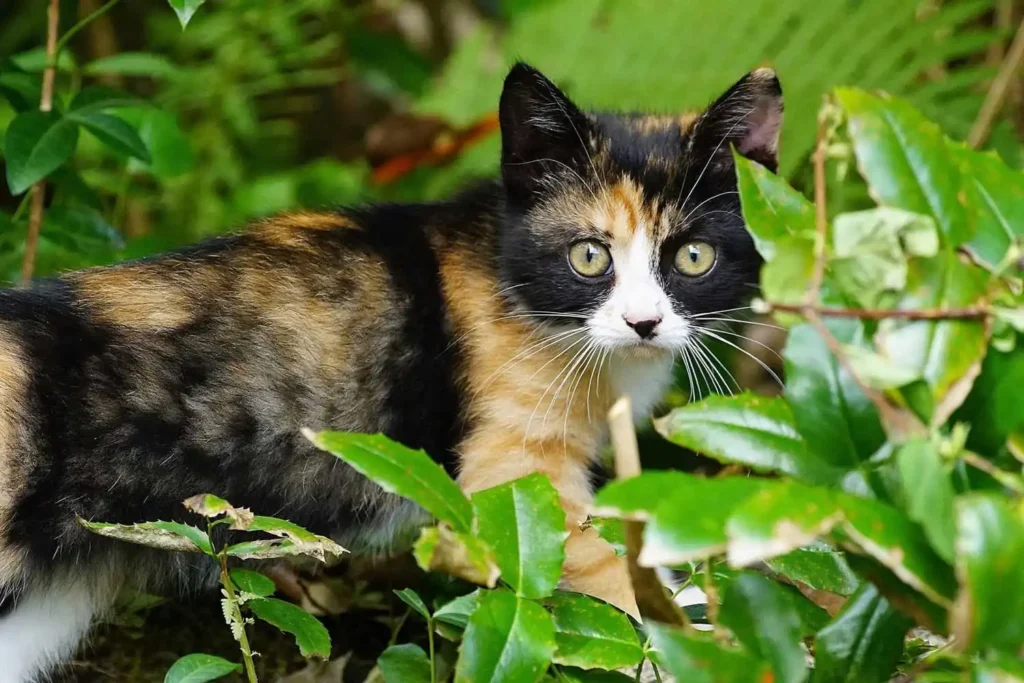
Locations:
(590, 258)
(695, 258)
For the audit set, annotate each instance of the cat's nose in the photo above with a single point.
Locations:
(643, 327)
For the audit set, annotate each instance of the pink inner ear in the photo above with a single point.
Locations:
(763, 127)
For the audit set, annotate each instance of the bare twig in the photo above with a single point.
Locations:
(975, 312)
(35, 216)
(998, 92)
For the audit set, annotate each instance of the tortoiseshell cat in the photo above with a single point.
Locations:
(493, 330)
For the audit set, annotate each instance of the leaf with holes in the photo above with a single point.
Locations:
(525, 525)
(37, 144)
(211, 506)
(592, 634)
(508, 640)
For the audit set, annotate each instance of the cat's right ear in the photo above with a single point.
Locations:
(543, 134)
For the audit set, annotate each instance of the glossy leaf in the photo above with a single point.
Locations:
(409, 473)
(310, 635)
(928, 492)
(989, 548)
(439, 549)
(765, 621)
(508, 640)
(992, 408)
(698, 659)
(818, 566)
(451, 618)
(592, 634)
(413, 599)
(523, 522)
(835, 418)
(162, 535)
(748, 430)
(200, 668)
(636, 498)
(113, 132)
(405, 663)
(773, 210)
(994, 201)
(904, 158)
(185, 9)
(36, 144)
(863, 643)
(787, 276)
(252, 582)
(573, 675)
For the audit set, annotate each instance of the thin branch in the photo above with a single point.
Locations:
(35, 216)
(1005, 478)
(820, 211)
(66, 38)
(973, 312)
(998, 92)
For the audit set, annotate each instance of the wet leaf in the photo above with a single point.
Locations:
(592, 634)
(508, 640)
(439, 549)
(523, 522)
(310, 635)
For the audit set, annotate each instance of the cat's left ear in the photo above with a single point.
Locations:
(542, 133)
(748, 117)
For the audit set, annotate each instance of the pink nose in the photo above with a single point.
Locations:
(643, 327)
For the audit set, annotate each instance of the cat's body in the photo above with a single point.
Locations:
(455, 327)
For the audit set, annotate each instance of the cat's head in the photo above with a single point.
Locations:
(629, 226)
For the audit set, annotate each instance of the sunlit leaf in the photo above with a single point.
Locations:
(508, 640)
(592, 634)
(773, 210)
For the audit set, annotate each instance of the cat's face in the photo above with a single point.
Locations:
(629, 227)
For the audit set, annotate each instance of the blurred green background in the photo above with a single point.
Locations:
(263, 106)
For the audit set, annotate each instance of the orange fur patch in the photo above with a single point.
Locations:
(142, 297)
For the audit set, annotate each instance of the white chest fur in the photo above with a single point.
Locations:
(644, 380)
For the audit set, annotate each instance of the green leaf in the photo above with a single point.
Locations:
(946, 353)
(21, 89)
(113, 132)
(905, 160)
(989, 548)
(773, 210)
(132, 64)
(592, 634)
(406, 663)
(439, 549)
(636, 498)
(818, 566)
(409, 473)
(786, 277)
(878, 371)
(696, 659)
(36, 144)
(310, 635)
(211, 506)
(457, 612)
(169, 148)
(612, 531)
(901, 596)
(748, 430)
(833, 415)
(525, 525)
(413, 599)
(199, 668)
(162, 535)
(99, 98)
(871, 249)
(994, 202)
(252, 582)
(292, 539)
(992, 408)
(928, 492)
(999, 669)
(508, 640)
(573, 675)
(676, 535)
(863, 643)
(185, 9)
(764, 620)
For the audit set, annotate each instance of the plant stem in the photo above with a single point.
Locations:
(976, 312)
(66, 38)
(820, 212)
(430, 643)
(1004, 478)
(35, 216)
(243, 639)
(998, 92)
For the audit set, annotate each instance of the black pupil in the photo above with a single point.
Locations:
(694, 254)
(591, 253)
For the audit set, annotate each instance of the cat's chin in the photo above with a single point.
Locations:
(643, 351)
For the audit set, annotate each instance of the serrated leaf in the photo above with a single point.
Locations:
(113, 132)
(253, 582)
(748, 430)
(928, 492)
(162, 535)
(406, 472)
(310, 635)
(764, 620)
(300, 540)
(523, 522)
(905, 160)
(508, 640)
(592, 634)
(36, 144)
(863, 643)
(199, 668)
(439, 549)
(185, 9)
(989, 548)
(405, 663)
(413, 599)
(830, 411)
(211, 506)
(697, 659)
(772, 209)
(132, 64)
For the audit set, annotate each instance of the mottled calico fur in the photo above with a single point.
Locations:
(478, 329)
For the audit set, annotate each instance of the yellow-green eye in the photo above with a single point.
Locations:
(695, 258)
(590, 258)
